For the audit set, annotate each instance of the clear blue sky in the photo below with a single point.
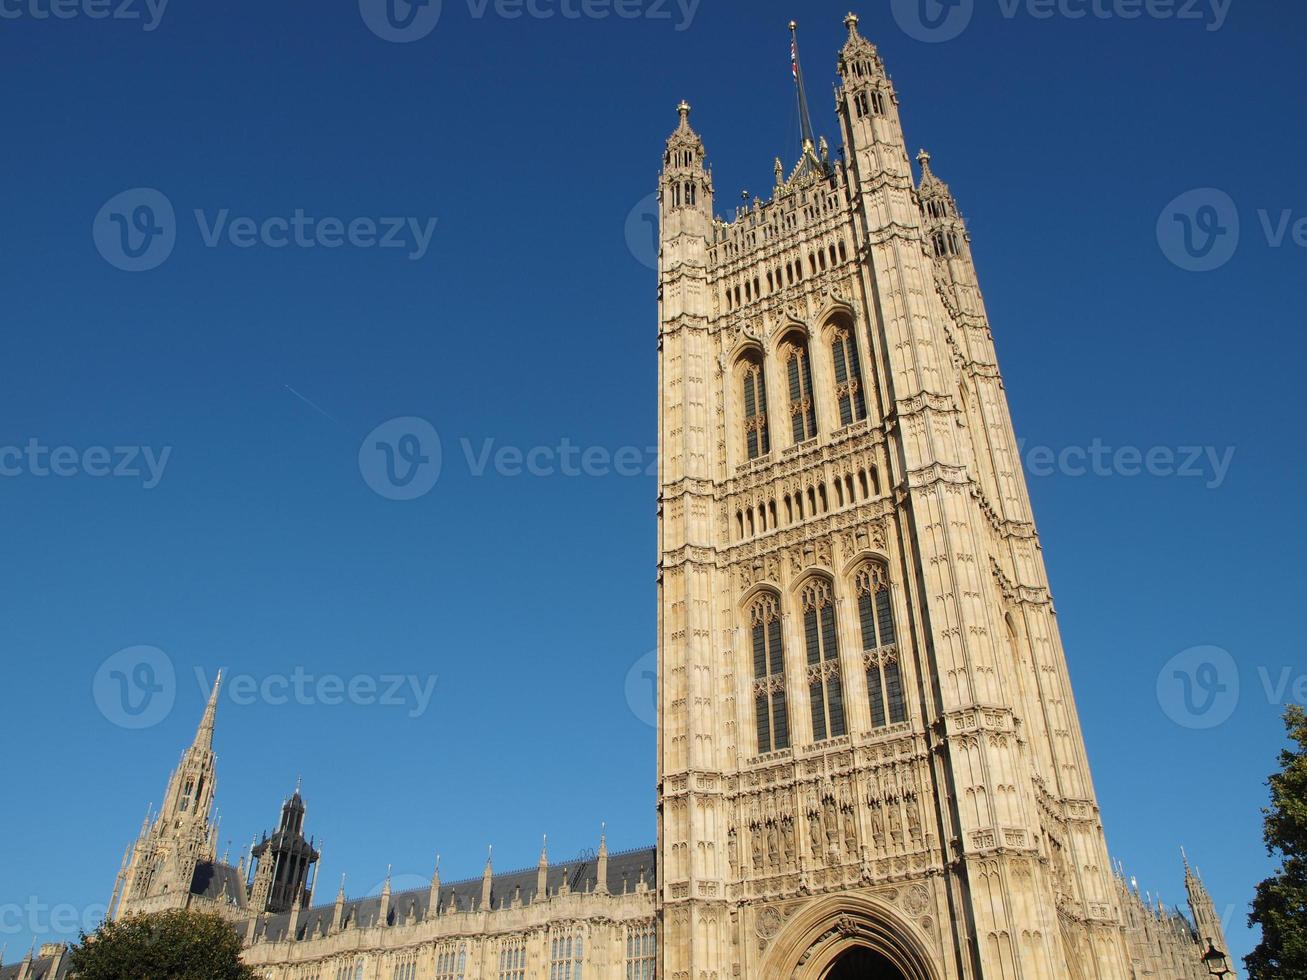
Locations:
(530, 320)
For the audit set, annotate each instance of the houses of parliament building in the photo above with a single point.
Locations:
(869, 762)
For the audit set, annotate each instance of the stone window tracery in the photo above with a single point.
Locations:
(770, 710)
(803, 411)
(825, 686)
(880, 652)
(848, 377)
(757, 439)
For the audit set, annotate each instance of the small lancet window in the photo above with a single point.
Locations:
(803, 410)
(757, 440)
(880, 651)
(769, 674)
(825, 687)
(848, 377)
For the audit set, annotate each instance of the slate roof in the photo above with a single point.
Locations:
(209, 878)
(624, 871)
(40, 969)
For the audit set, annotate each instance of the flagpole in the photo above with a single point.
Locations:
(805, 119)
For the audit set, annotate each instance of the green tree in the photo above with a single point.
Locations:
(175, 945)
(1280, 907)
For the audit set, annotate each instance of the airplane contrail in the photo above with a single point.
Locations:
(317, 408)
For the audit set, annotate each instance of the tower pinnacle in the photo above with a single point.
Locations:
(204, 736)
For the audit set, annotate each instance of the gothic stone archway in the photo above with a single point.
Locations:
(844, 936)
(862, 963)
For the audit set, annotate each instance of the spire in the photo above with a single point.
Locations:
(542, 872)
(383, 916)
(486, 877)
(433, 898)
(338, 916)
(601, 873)
(204, 736)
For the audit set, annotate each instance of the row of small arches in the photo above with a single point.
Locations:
(849, 489)
(823, 258)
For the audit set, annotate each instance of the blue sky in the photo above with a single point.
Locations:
(525, 317)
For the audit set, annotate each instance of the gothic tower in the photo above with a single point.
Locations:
(869, 755)
(161, 867)
(285, 860)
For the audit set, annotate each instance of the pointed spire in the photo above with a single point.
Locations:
(486, 878)
(204, 736)
(601, 874)
(383, 916)
(433, 897)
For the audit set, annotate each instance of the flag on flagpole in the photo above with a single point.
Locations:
(794, 58)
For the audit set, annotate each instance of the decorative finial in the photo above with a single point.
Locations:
(851, 22)
(744, 195)
(923, 158)
(794, 25)
(684, 110)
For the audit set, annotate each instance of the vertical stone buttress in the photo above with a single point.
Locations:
(691, 894)
(1031, 872)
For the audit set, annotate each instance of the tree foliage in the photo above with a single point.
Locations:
(174, 945)
(1280, 907)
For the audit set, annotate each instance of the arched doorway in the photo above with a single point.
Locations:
(861, 963)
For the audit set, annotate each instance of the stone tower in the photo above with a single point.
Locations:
(869, 755)
(161, 866)
(285, 861)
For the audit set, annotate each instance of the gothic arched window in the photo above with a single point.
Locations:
(803, 412)
(880, 652)
(825, 687)
(848, 377)
(769, 674)
(757, 440)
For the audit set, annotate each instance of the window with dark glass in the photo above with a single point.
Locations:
(880, 652)
(803, 412)
(848, 377)
(825, 687)
(772, 718)
(756, 437)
